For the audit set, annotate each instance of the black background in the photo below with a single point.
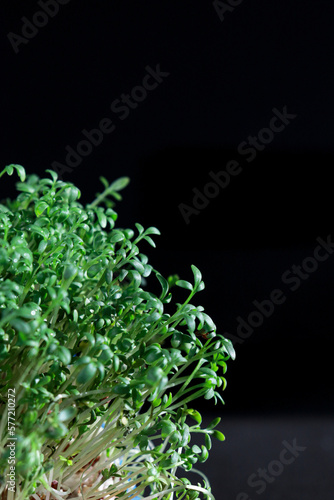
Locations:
(225, 78)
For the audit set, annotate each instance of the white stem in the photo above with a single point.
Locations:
(47, 496)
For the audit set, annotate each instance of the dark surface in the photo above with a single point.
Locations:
(225, 79)
(255, 443)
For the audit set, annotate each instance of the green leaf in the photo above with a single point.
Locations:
(156, 402)
(190, 323)
(122, 275)
(167, 428)
(94, 270)
(209, 394)
(129, 233)
(139, 228)
(102, 218)
(208, 371)
(138, 266)
(205, 454)
(184, 284)
(42, 246)
(40, 208)
(172, 280)
(197, 274)
(214, 423)
(175, 437)
(150, 241)
(64, 355)
(195, 415)
(119, 184)
(164, 285)
(29, 310)
(84, 360)
(117, 237)
(218, 435)
(19, 169)
(152, 354)
(116, 362)
(52, 292)
(9, 169)
(228, 347)
(208, 442)
(106, 355)
(135, 277)
(42, 231)
(71, 193)
(69, 272)
(152, 318)
(53, 174)
(20, 325)
(223, 364)
(121, 389)
(167, 401)
(224, 381)
(152, 230)
(153, 376)
(45, 380)
(86, 374)
(109, 276)
(64, 459)
(104, 181)
(30, 417)
(21, 172)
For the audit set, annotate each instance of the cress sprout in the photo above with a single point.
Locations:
(104, 378)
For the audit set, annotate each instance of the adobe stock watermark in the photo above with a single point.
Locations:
(264, 476)
(121, 108)
(228, 6)
(293, 278)
(30, 27)
(11, 445)
(248, 149)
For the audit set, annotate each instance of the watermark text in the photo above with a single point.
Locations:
(264, 476)
(247, 149)
(11, 444)
(293, 279)
(121, 108)
(30, 27)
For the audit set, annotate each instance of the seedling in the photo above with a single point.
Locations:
(102, 377)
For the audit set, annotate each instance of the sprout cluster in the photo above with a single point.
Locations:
(103, 376)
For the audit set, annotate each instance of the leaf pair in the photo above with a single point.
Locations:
(198, 283)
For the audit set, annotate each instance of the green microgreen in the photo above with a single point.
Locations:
(104, 378)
